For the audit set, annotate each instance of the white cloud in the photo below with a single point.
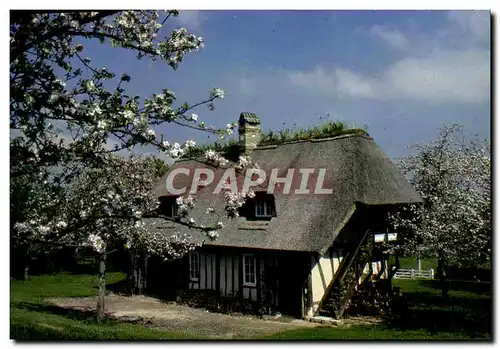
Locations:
(391, 36)
(191, 19)
(442, 74)
(352, 84)
(475, 23)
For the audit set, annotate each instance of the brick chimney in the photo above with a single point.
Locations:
(249, 131)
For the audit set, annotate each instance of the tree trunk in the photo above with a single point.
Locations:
(442, 275)
(145, 272)
(102, 288)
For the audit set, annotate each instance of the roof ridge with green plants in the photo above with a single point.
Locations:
(329, 129)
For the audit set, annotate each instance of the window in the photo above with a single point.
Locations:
(194, 266)
(262, 206)
(249, 270)
(168, 206)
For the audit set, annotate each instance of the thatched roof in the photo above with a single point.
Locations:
(357, 171)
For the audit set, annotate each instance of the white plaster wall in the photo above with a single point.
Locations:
(322, 273)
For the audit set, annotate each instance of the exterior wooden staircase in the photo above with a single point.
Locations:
(345, 281)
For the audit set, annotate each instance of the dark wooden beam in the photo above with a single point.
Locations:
(225, 275)
(233, 272)
(331, 260)
(258, 276)
(241, 269)
(217, 273)
(309, 282)
(206, 273)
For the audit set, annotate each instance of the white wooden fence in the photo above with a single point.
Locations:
(414, 274)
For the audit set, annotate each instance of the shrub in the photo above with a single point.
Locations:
(213, 301)
(379, 298)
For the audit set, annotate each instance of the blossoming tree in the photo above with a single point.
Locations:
(65, 114)
(453, 224)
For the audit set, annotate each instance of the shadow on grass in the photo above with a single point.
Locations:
(457, 285)
(87, 316)
(431, 311)
(438, 301)
(35, 332)
(445, 320)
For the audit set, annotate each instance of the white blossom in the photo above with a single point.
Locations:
(80, 107)
(90, 86)
(190, 144)
(217, 93)
(212, 234)
(210, 155)
(137, 214)
(102, 124)
(97, 243)
(244, 161)
(454, 181)
(61, 224)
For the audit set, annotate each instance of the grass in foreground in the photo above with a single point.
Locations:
(465, 315)
(374, 332)
(33, 318)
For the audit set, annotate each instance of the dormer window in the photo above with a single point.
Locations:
(262, 206)
(168, 206)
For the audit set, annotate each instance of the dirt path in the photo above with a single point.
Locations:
(183, 319)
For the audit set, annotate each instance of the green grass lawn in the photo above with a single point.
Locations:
(32, 318)
(411, 263)
(464, 316)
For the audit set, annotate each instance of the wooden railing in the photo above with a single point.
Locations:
(340, 289)
(349, 283)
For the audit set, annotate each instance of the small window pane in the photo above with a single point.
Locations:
(194, 266)
(249, 267)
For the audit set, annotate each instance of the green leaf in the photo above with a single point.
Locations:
(125, 77)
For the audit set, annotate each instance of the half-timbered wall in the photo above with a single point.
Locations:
(230, 277)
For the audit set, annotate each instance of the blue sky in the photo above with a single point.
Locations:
(401, 73)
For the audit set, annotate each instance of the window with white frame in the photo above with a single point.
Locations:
(168, 206)
(249, 270)
(194, 266)
(264, 206)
